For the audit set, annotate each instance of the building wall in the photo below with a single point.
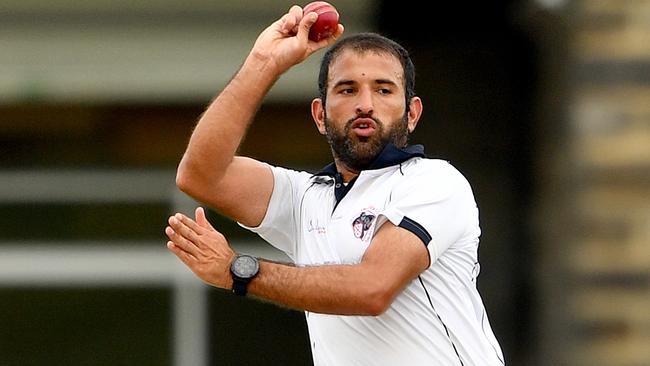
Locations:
(594, 211)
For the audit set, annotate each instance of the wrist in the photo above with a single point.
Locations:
(253, 80)
(243, 269)
(263, 66)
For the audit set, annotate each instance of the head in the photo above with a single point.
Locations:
(367, 98)
(368, 42)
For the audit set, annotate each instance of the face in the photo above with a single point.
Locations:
(365, 107)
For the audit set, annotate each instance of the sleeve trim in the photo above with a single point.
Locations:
(416, 229)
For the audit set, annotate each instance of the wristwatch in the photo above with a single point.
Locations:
(243, 269)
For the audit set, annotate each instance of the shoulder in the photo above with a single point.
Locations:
(298, 179)
(436, 169)
(433, 177)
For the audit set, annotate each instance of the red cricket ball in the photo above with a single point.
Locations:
(327, 22)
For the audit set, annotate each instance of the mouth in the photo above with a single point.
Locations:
(364, 127)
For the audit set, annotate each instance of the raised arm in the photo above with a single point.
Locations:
(209, 170)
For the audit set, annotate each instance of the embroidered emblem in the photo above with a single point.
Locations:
(362, 224)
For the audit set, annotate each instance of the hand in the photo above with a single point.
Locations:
(286, 42)
(202, 248)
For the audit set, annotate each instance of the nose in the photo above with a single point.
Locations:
(364, 102)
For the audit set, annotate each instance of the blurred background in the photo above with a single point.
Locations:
(543, 104)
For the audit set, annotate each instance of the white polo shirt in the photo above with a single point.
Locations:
(439, 318)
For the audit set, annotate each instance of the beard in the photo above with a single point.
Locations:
(358, 152)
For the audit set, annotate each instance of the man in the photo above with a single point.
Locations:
(384, 240)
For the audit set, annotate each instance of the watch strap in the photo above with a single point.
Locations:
(240, 286)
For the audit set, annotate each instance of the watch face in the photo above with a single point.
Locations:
(245, 266)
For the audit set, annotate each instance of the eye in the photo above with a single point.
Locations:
(384, 91)
(346, 91)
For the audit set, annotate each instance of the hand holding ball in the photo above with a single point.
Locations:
(327, 22)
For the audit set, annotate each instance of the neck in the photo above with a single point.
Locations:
(346, 172)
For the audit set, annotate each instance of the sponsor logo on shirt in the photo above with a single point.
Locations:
(362, 225)
(315, 227)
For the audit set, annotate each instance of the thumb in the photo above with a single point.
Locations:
(201, 219)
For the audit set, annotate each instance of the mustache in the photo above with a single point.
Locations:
(349, 123)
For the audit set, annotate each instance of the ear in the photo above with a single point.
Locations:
(318, 114)
(415, 111)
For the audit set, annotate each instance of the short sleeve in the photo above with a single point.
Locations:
(436, 203)
(279, 224)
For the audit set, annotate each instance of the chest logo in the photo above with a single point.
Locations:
(315, 228)
(362, 224)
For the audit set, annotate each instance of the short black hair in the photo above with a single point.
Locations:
(364, 42)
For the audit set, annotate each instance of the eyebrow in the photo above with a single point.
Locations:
(346, 82)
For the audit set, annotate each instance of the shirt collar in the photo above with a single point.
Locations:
(389, 156)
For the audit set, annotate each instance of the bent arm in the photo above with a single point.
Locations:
(395, 257)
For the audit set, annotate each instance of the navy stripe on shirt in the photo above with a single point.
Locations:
(416, 229)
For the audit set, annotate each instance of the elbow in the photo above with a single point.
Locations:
(183, 179)
(199, 180)
(378, 301)
(188, 180)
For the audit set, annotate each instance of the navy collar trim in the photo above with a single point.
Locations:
(389, 156)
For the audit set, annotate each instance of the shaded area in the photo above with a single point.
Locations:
(477, 70)
(246, 332)
(88, 326)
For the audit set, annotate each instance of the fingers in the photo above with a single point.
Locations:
(339, 31)
(180, 227)
(203, 250)
(181, 242)
(184, 256)
(291, 20)
(201, 219)
(185, 233)
(188, 234)
(187, 227)
(305, 24)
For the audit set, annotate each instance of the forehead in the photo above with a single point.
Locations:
(365, 66)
